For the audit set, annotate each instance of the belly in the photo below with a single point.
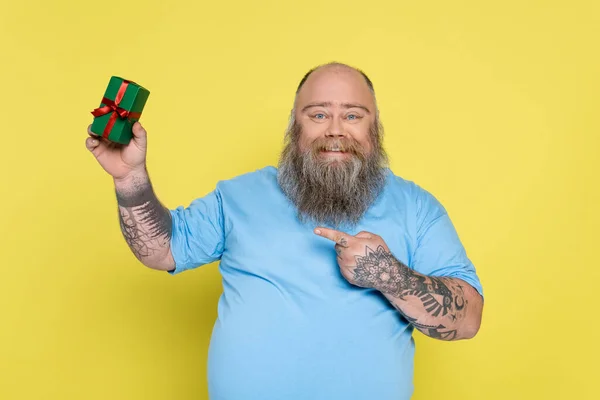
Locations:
(269, 347)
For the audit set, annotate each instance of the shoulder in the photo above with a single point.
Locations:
(423, 200)
(398, 183)
(250, 182)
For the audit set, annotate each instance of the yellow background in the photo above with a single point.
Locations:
(491, 106)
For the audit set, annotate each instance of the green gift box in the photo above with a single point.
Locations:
(120, 108)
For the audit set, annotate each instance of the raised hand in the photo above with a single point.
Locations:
(120, 161)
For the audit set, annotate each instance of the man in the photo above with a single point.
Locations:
(328, 262)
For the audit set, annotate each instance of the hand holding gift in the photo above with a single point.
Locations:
(117, 139)
(120, 108)
(120, 161)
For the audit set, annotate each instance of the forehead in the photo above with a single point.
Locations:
(336, 85)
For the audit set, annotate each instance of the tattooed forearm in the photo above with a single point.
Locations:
(437, 306)
(145, 222)
(436, 332)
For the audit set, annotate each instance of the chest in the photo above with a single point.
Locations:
(266, 240)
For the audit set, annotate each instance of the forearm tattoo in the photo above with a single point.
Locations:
(145, 222)
(435, 331)
(442, 298)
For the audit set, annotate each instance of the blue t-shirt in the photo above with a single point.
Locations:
(289, 325)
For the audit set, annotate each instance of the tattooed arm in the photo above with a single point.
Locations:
(145, 222)
(440, 307)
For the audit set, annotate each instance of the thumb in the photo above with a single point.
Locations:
(97, 147)
(139, 134)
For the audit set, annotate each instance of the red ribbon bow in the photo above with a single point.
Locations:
(113, 106)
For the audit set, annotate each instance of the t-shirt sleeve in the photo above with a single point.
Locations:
(197, 232)
(439, 251)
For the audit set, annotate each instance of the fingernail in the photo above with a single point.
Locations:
(318, 231)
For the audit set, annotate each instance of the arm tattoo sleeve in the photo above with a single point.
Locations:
(434, 305)
(145, 222)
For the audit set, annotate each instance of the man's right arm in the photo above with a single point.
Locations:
(145, 223)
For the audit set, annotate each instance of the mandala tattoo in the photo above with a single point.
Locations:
(440, 297)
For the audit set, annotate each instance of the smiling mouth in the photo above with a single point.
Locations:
(333, 149)
(333, 155)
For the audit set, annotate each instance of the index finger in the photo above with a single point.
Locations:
(340, 238)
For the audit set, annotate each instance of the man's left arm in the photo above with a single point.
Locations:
(445, 308)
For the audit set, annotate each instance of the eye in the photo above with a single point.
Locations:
(319, 116)
(353, 117)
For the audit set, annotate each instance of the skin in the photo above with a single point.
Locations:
(441, 308)
(145, 222)
(335, 103)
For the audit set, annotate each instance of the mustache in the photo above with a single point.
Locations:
(346, 145)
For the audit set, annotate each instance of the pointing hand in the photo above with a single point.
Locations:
(365, 259)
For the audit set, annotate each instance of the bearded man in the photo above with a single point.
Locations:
(329, 262)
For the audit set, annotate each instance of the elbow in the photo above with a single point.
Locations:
(471, 329)
(164, 263)
(468, 331)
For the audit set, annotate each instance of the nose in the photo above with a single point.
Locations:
(335, 129)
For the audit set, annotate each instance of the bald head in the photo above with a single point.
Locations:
(340, 66)
(338, 79)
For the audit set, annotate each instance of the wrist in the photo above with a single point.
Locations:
(135, 177)
(398, 280)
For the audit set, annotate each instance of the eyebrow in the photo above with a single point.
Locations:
(344, 105)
